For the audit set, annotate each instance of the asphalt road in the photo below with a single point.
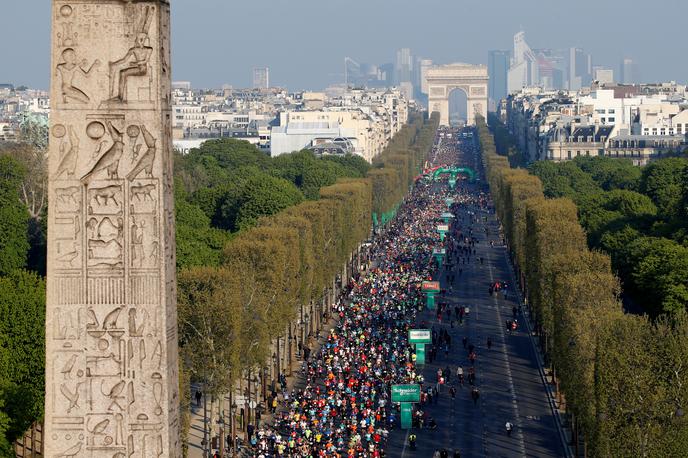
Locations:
(507, 375)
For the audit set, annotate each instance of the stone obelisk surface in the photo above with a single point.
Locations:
(111, 328)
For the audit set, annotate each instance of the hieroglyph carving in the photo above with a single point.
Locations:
(111, 366)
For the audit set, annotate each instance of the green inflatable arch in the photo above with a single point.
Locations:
(453, 172)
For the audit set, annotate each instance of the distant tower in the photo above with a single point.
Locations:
(628, 71)
(261, 78)
(498, 70)
(403, 67)
(424, 65)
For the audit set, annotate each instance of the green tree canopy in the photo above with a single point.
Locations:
(663, 182)
(22, 354)
(14, 218)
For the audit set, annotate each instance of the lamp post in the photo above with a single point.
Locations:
(276, 368)
(206, 432)
(221, 424)
(264, 382)
(233, 409)
(307, 334)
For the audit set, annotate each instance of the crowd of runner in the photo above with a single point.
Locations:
(344, 409)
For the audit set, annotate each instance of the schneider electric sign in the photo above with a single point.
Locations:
(405, 393)
(420, 336)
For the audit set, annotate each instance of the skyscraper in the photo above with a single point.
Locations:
(498, 70)
(423, 68)
(580, 68)
(628, 71)
(524, 69)
(403, 66)
(261, 78)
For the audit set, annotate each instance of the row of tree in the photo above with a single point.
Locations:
(622, 378)
(226, 185)
(275, 279)
(22, 308)
(638, 215)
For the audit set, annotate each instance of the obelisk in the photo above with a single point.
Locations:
(111, 330)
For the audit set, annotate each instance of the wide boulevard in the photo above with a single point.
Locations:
(507, 375)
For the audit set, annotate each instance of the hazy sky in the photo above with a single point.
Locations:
(304, 42)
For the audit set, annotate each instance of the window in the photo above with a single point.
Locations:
(611, 111)
(612, 119)
(600, 152)
(569, 155)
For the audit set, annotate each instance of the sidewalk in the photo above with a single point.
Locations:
(296, 381)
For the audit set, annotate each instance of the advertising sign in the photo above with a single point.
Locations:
(406, 415)
(419, 336)
(405, 393)
(430, 287)
(442, 228)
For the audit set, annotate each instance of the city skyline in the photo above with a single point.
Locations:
(318, 62)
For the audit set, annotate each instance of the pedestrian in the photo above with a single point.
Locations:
(457, 454)
(199, 395)
(464, 341)
(452, 392)
(509, 427)
(459, 374)
(475, 395)
(444, 453)
(489, 343)
(471, 375)
(412, 441)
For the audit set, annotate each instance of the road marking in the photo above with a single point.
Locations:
(514, 402)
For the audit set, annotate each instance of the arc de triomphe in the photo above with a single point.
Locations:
(471, 79)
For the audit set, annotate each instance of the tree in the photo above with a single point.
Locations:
(603, 211)
(198, 244)
(662, 181)
(610, 172)
(5, 424)
(660, 273)
(632, 405)
(564, 179)
(262, 196)
(22, 361)
(14, 218)
(33, 191)
(210, 326)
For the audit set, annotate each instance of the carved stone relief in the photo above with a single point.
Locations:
(111, 373)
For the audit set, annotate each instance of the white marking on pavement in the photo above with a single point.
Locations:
(517, 418)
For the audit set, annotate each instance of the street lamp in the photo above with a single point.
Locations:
(233, 409)
(221, 441)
